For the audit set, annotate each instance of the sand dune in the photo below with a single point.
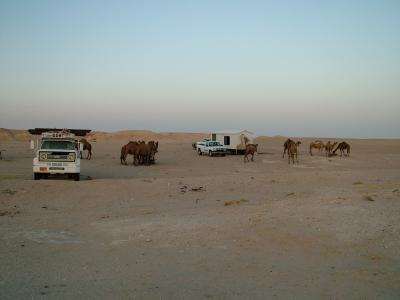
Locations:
(146, 135)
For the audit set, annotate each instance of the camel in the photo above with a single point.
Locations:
(250, 150)
(153, 150)
(86, 146)
(329, 147)
(243, 140)
(292, 151)
(342, 146)
(130, 148)
(286, 146)
(146, 152)
(318, 145)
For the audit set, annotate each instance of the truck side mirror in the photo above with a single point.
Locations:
(32, 144)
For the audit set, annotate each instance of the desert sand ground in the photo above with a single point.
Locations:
(326, 228)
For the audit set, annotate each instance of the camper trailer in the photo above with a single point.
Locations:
(235, 141)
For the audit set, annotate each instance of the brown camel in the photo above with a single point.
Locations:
(130, 148)
(86, 146)
(292, 151)
(250, 150)
(146, 153)
(154, 149)
(329, 147)
(342, 147)
(317, 145)
(286, 146)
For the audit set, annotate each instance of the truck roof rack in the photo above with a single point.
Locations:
(77, 132)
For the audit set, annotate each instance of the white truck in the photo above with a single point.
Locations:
(211, 148)
(58, 153)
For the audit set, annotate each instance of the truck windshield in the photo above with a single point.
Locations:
(215, 144)
(58, 145)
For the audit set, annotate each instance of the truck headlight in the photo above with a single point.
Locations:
(71, 156)
(43, 156)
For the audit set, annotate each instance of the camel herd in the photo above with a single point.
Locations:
(291, 148)
(343, 146)
(144, 153)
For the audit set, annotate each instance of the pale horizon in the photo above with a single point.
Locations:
(304, 68)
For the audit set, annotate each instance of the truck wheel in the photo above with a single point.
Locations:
(199, 151)
(36, 176)
(77, 177)
(210, 153)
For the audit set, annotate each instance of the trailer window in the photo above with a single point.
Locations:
(227, 140)
(213, 137)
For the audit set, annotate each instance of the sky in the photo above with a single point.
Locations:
(293, 68)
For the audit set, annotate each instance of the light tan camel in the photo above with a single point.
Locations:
(329, 147)
(86, 146)
(317, 145)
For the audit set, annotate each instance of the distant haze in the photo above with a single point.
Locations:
(296, 68)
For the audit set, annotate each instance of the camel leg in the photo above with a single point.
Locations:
(252, 157)
(297, 158)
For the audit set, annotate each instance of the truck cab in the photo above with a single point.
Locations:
(58, 153)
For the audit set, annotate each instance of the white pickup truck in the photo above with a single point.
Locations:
(211, 148)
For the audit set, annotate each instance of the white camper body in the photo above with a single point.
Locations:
(235, 141)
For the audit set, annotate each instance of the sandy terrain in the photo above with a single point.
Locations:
(322, 229)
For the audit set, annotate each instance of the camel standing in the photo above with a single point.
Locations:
(329, 147)
(130, 148)
(86, 146)
(250, 150)
(342, 147)
(286, 146)
(317, 145)
(292, 151)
